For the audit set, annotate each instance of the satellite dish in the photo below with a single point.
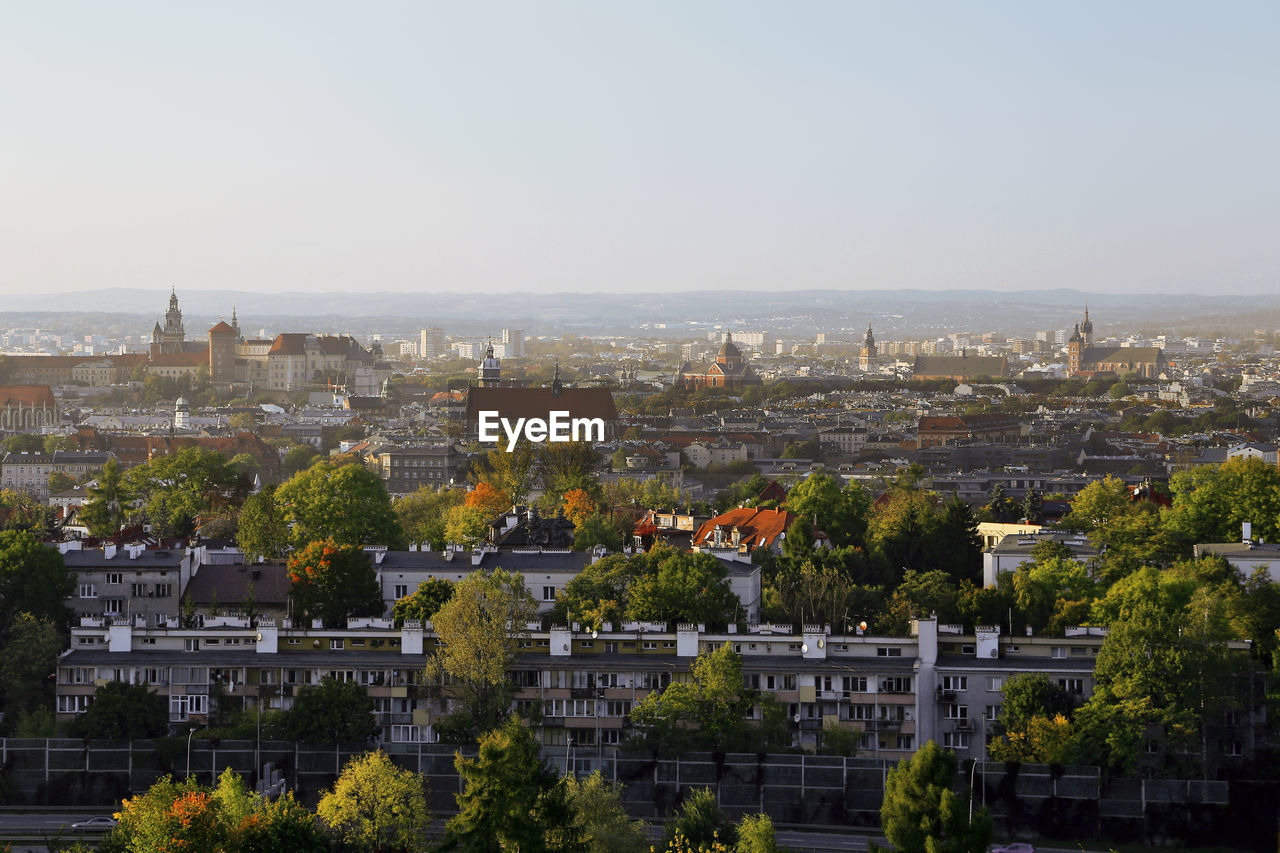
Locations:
(995, 653)
(796, 718)
(862, 626)
(804, 648)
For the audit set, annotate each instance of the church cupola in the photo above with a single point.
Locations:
(490, 369)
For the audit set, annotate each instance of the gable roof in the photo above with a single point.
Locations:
(540, 402)
(758, 528)
(26, 395)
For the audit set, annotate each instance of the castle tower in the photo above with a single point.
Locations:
(490, 369)
(222, 352)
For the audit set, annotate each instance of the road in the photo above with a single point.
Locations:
(51, 824)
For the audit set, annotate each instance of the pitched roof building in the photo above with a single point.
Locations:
(728, 370)
(961, 368)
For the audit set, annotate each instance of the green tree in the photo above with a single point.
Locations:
(1000, 507)
(596, 530)
(60, 482)
(424, 513)
(1097, 503)
(599, 817)
(921, 814)
(567, 465)
(708, 712)
(756, 835)
(33, 579)
(478, 628)
(677, 587)
(28, 657)
(920, 595)
(346, 503)
(465, 525)
(175, 490)
(186, 816)
(701, 823)
(512, 473)
(1210, 503)
(902, 530)
(108, 504)
(840, 513)
(1167, 674)
(377, 806)
(331, 712)
(332, 582)
(24, 442)
(298, 458)
(425, 601)
(262, 531)
(504, 804)
(120, 711)
(597, 594)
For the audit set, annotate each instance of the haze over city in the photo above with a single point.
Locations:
(639, 148)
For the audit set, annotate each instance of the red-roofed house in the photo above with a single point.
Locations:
(744, 530)
(25, 407)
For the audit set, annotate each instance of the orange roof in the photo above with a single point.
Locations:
(222, 329)
(26, 395)
(757, 528)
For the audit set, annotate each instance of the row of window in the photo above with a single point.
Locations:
(137, 590)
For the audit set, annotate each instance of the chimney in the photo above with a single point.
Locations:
(108, 552)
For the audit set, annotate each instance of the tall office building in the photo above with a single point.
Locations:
(513, 343)
(431, 343)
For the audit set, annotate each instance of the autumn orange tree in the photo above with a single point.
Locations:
(186, 817)
(489, 499)
(578, 506)
(332, 582)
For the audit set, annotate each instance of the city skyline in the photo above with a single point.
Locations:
(654, 149)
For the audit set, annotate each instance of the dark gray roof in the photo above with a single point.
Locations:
(229, 585)
(525, 562)
(92, 558)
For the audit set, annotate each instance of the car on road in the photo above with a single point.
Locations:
(1014, 847)
(99, 822)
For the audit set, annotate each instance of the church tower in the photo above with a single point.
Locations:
(490, 369)
(1075, 352)
(867, 355)
(171, 337)
(1086, 327)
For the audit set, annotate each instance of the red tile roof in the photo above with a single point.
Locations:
(758, 528)
(26, 395)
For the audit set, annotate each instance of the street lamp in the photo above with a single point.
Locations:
(972, 770)
(189, 734)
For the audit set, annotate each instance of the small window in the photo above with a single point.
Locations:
(335, 645)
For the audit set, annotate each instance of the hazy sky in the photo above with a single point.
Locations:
(598, 146)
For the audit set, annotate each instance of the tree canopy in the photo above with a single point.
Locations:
(477, 627)
(345, 503)
(332, 582)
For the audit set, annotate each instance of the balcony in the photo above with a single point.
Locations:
(884, 725)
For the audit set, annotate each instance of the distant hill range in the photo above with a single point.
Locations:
(892, 313)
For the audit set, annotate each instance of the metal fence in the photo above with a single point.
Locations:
(792, 788)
